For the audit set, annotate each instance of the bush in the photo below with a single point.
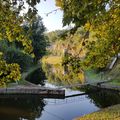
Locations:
(3, 45)
(13, 55)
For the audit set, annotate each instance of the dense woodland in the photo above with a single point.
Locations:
(91, 43)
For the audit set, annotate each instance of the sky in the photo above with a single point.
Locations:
(54, 20)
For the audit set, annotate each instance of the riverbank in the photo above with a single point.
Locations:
(92, 77)
(110, 76)
(23, 81)
(110, 113)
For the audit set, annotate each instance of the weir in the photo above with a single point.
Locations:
(45, 92)
(41, 91)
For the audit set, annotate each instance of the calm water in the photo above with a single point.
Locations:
(36, 108)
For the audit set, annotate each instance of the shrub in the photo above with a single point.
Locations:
(13, 55)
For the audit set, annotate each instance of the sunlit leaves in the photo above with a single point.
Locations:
(80, 11)
(11, 21)
(59, 3)
(101, 17)
(107, 44)
(9, 73)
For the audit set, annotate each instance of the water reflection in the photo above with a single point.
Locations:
(37, 77)
(105, 98)
(36, 108)
(60, 75)
(17, 107)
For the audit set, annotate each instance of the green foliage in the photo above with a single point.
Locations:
(101, 19)
(107, 43)
(57, 42)
(63, 75)
(11, 30)
(74, 62)
(10, 26)
(9, 73)
(56, 35)
(81, 11)
(65, 41)
(3, 45)
(39, 42)
(70, 48)
(13, 55)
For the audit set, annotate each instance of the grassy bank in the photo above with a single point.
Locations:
(52, 60)
(110, 113)
(91, 76)
(114, 74)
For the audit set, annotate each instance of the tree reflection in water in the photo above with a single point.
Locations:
(59, 75)
(101, 97)
(37, 77)
(17, 107)
(30, 107)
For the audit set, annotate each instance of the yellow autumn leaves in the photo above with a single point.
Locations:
(9, 73)
(11, 30)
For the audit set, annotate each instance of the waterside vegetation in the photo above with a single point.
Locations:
(112, 113)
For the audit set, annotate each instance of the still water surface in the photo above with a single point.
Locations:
(29, 107)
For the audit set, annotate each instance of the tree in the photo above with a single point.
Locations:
(81, 11)
(11, 30)
(37, 37)
(101, 17)
(8, 72)
(56, 35)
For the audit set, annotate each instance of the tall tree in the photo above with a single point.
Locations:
(38, 39)
(37, 36)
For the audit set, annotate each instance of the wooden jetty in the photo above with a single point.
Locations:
(41, 91)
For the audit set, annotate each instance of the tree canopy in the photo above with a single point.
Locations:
(11, 20)
(101, 17)
(37, 37)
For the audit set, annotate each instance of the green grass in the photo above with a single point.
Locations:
(114, 74)
(52, 60)
(21, 82)
(91, 76)
(110, 113)
(115, 82)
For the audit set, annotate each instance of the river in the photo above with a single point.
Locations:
(33, 107)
